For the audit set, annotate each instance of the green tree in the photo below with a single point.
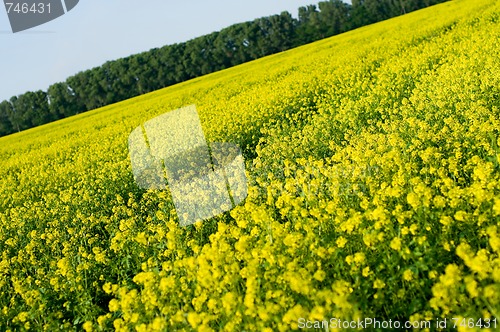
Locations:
(6, 127)
(309, 25)
(19, 116)
(334, 17)
(38, 105)
(63, 101)
(30, 109)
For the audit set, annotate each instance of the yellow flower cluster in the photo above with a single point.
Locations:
(373, 167)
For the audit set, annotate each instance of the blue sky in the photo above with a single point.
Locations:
(96, 31)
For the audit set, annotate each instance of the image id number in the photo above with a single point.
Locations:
(25, 8)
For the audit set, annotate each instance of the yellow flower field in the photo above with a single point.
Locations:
(372, 161)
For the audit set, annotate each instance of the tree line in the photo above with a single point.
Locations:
(161, 67)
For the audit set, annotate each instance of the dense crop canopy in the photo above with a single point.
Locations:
(372, 161)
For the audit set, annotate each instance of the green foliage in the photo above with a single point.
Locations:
(148, 71)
